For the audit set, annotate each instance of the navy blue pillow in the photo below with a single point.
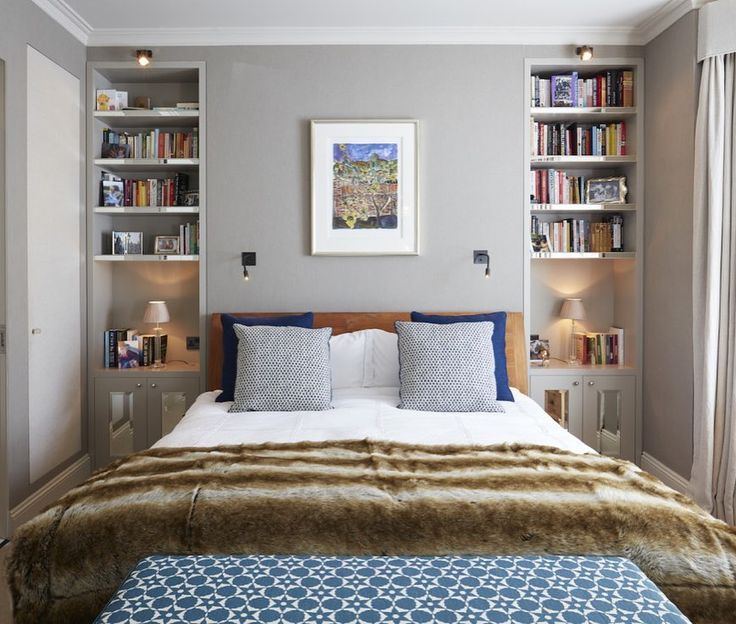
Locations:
(503, 392)
(230, 343)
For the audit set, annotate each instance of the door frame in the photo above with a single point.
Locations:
(4, 482)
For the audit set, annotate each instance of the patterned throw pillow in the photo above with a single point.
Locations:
(282, 369)
(447, 368)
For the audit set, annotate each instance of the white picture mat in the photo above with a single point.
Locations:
(55, 216)
(328, 241)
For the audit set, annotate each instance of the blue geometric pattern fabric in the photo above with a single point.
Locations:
(286, 589)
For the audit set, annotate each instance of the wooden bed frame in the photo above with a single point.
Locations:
(517, 346)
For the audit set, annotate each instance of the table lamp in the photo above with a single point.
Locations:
(574, 310)
(157, 312)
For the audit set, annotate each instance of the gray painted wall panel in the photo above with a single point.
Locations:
(671, 96)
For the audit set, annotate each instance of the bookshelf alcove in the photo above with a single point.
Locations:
(132, 408)
(598, 403)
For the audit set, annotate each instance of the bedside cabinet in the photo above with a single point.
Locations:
(597, 406)
(132, 412)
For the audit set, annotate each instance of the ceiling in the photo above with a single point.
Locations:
(238, 22)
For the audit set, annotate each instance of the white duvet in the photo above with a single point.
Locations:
(369, 413)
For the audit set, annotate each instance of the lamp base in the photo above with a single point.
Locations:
(158, 364)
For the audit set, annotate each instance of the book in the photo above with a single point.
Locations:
(188, 105)
(106, 99)
(599, 348)
(606, 88)
(128, 354)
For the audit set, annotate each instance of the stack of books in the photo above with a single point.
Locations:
(609, 88)
(116, 191)
(600, 347)
(189, 238)
(549, 186)
(573, 139)
(578, 235)
(152, 144)
(126, 348)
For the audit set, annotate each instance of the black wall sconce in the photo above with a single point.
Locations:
(480, 256)
(248, 258)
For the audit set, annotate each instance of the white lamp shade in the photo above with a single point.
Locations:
(156, 312)
(573, 309)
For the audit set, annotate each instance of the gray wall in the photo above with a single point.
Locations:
(21, 23)
(672, 77)
(260, 101)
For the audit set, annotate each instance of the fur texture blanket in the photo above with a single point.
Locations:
(359, 498)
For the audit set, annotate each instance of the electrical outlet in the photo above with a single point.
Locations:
(192, 343)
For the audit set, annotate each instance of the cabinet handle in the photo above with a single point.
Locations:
(153, 385)
(591, 383)
(575, 383)
(138, 385)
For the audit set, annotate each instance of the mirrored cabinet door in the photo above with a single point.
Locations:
(561, 396)
(120, 418)
(168, 400)
(608, 414)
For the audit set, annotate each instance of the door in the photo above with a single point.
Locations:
(55, 219)
(120, 418)
(168, 400)
(561, 396)
(609, 414)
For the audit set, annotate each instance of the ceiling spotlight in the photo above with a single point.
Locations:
(144, 57)
(584, 52)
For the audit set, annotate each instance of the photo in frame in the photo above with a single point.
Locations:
(606, 191)
(365, 187)
(166, 245)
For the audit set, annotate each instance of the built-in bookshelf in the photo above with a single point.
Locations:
(156, 195)
(596, 135)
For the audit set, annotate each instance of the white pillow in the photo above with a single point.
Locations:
(347, 359)
(382, 360)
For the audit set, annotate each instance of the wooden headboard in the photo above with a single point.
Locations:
(517, 346)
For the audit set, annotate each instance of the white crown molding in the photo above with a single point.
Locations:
(154, 37)
(662, 19)
(66, 17)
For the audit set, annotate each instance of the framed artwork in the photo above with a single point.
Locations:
(125, 243)
(364, 188)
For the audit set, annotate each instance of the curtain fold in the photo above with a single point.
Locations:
(713, 480)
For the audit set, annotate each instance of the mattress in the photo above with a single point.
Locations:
(234, 590)
(370, 413)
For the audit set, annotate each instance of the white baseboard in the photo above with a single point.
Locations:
(663, 473)
(49, 492)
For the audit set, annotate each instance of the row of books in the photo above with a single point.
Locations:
(609, 88)
(600, 347)
(551, 186)
(577, 235)
(189, 238)
(126, 348)
(572, 139)
(151, 144)
(116, 191)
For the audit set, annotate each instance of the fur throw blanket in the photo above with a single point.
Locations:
(360, 498)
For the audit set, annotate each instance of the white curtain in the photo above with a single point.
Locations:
(713, 480)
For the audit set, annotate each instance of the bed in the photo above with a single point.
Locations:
(368, 479)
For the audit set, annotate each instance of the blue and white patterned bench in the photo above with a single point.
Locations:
(389, 589)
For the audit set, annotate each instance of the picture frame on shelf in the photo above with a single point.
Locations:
(166, 245)
(539, 243)
(606, 190)
(113, 192)
(538, 349)
(365, 187)
(191, 198)
(115, 150)
(127, 243)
